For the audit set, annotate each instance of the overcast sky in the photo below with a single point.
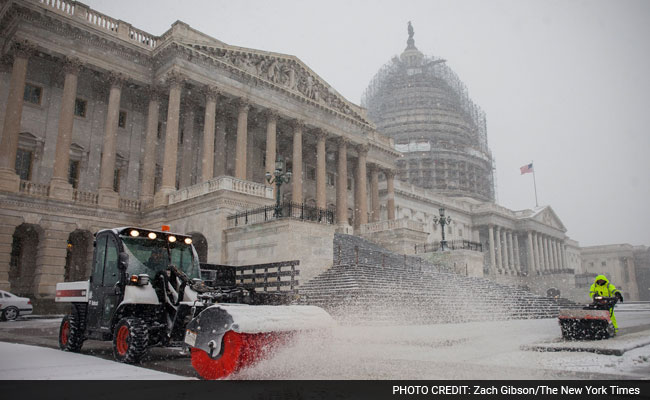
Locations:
(565, 84)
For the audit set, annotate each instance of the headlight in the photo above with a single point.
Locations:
(152, 235)
(171, 239)
(134, 233)
(188, 240)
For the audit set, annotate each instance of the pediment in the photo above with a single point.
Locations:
(283, 71)
(548, 217)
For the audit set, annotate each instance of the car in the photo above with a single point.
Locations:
(11, 306)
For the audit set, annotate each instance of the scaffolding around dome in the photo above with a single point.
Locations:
(423, 105)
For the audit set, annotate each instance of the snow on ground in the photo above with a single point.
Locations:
(476, 350)
(19, 361)
(485, 350)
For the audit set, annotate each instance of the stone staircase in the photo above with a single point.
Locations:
(371, 284)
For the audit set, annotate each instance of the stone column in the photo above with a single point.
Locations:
(296, 162)
(207, 161)
(517, 262)
(547, 259)
(506, 259)
(321, 168)
(511, 253)
(271, 144)
(390, 195)
(361, 193)
(530, 255)
(556, 259)
(50, 258)
(220, 144)
(107, 196)
(374, 194)
(498, 249)
(342, 183)
(565, 264)
(171, 141)
(491, 244)
(540, 254)
(186, 160)
(149, 162)
(242, 139)
(9, 180)
(59, 186)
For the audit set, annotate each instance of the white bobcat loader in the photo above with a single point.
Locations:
(145, 290)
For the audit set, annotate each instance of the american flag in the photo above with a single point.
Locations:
(526, 168)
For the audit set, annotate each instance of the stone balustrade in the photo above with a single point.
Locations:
(392, 224)
(34, 189)
(84, 197)
(66, 7)
(129, 205)
(221, 183)
(142, 37)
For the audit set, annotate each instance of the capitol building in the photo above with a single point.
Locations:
(105, 125)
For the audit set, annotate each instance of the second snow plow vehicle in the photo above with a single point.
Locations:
(592, 322)
(145, 290)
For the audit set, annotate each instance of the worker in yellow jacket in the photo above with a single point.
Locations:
(602, 287)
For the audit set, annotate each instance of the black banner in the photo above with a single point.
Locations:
(316, 390)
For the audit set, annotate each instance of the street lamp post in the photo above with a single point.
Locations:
(442, 221)
(278, 177)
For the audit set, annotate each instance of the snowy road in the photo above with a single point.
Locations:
(486, 350)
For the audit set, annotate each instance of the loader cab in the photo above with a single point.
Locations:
(106, 282)
(122, 253)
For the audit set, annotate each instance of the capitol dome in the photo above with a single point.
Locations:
(420, 102)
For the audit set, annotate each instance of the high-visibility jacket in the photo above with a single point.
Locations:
(606, 290)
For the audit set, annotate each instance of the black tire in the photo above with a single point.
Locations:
(10, 313)
(72, 331)
(130, 340)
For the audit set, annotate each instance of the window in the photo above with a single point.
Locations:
(116, 180)
(98, 268)
(73, 173)
(349, 183)
(24, 164)
(159, 131)
(311, 173)
(80, 106)
(111, 272)
(330, 179)
(121, 119)
(603, 263)
(32, 94)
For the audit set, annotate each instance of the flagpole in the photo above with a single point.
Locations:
(534, 184)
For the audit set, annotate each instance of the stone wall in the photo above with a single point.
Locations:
(281, 240)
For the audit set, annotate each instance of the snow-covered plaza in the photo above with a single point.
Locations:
(476, 350)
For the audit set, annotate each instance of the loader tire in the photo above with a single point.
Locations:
(72, 330)
(130, 340)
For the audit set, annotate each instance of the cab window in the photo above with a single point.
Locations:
(111, 271)
(100, 255)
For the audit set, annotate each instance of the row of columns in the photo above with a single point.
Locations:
(504, 250)
(544, 254)
(60, 188)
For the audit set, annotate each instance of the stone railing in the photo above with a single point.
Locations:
(403, 223)
(129, 204)
(221, 183)
(85, 197)
(121, 29)
(143, 37)
(101, 20)
(34, 189)
(66, 7)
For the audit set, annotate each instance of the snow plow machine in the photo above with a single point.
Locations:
(145, 290)
(592, 322)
